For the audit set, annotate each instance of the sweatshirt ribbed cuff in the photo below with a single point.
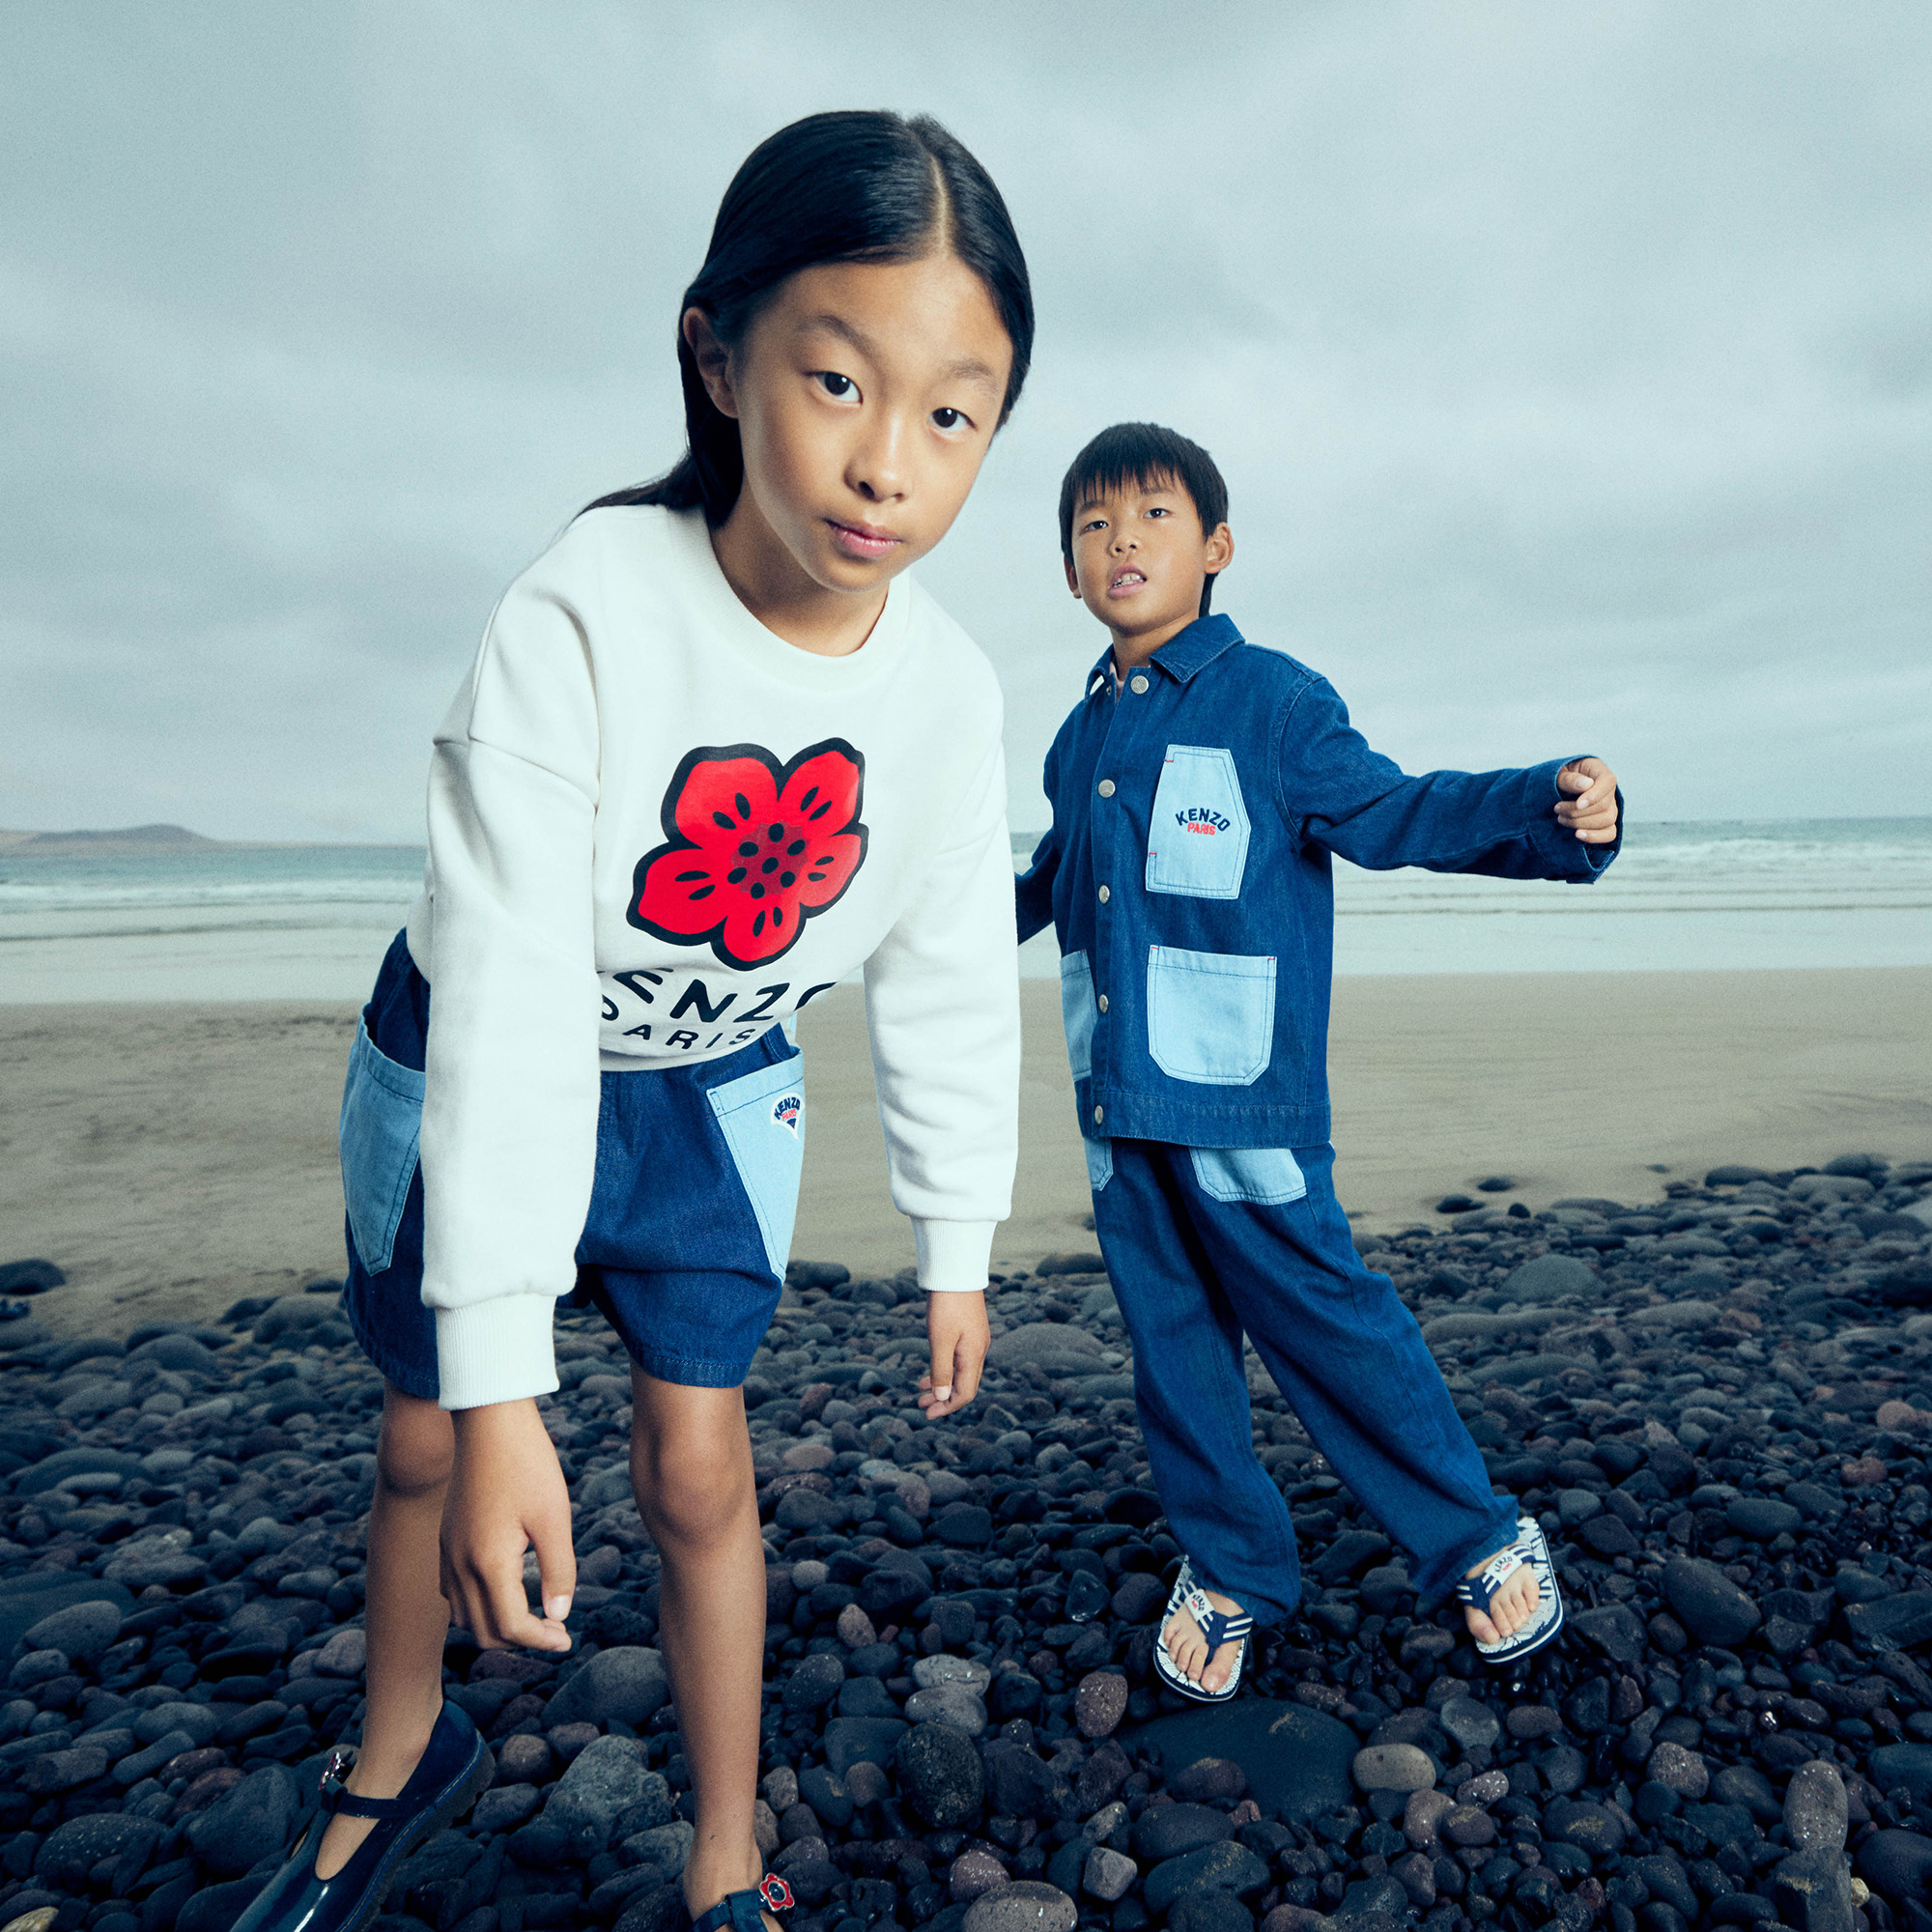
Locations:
(497, 1351)
(953, 1255)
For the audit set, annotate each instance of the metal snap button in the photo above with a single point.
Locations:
(1106, 788)
(1105, 896)
(1137, 685)
(1102, 1002)
(1099, 1115)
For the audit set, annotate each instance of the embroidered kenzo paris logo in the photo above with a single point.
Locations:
(1202, 819)
(786, 1112)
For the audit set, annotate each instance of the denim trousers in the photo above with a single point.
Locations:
(1206, 1244)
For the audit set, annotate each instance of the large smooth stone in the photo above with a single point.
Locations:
(626, 1682)
(1298, 1761)
(1549, 1278)
(1707, 1603)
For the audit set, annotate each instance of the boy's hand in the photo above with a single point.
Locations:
(1591, 812)
(955, 1326)
(507, 1494)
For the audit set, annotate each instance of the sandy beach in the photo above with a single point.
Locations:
(174, 1157)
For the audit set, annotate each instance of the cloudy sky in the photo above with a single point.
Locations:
(1571, 367)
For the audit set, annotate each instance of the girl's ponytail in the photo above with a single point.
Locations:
(832, 187)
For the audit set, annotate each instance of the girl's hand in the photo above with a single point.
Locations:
(508, 1495)
(955, 1326)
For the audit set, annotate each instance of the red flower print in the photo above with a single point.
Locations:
(755, 848)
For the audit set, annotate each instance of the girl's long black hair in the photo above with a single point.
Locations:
(833, 187)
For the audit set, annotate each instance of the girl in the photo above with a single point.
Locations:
(716, 753)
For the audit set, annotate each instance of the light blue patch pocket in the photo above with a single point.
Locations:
(1198, 837)
(1099, 1163)
(1266, 1175)
(762, 1118)
(382, 1123)
(1210, 1015)
(1077, 1013)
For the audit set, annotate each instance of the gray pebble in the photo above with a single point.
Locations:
(1816, 1813)
(1472, 1724)
(1022, 1906)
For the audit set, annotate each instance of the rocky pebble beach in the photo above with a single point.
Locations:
(1718, 1403)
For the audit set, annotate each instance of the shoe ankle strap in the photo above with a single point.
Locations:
(340, 1802)
(350, 1806)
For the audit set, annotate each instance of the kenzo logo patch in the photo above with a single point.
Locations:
(1205, 820)
(786, 1113)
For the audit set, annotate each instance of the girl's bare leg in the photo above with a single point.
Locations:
(691, 1463)
(408, 1619)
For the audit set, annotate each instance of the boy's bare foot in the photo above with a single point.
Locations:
(1510, 1609)
(1188, 1647)
(706, 1882)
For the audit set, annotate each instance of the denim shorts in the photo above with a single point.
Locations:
(691, 1213)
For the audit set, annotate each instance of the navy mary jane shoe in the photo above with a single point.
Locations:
(455, 1770)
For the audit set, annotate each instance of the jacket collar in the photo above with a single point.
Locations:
(1191, 650)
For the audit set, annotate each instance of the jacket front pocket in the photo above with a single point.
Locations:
(382, 1124)
(1210, 1015)
(761, 1116)
(1077, 1013)
(1198, 837)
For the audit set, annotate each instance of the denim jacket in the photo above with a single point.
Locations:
(1187, 877)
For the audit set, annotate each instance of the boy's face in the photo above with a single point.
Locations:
(1140, 559)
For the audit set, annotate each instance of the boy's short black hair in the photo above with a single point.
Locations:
(1140, 453)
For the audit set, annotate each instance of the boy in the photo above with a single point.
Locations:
(1198, 790)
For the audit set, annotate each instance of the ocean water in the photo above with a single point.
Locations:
(1684, 896)
(313, 922)
(223, 923)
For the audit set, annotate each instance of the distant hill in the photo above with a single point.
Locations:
(129, 841)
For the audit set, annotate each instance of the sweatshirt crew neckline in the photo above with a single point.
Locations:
(761, 647)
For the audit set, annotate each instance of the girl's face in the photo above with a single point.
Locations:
(866, 395)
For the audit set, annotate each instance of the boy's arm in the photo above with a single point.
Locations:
(1339, 792)
(1033, 888)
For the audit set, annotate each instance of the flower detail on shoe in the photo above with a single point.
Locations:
(753, 848)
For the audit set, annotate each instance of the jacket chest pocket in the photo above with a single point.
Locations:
(1198, 837)
(1210, 1015)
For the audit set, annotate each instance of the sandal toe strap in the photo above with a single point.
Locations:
(1528, 1551)
(1480, 1592)
(1218, 1630)
(1216, 1627)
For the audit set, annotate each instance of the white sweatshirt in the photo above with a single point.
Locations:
(645, 806)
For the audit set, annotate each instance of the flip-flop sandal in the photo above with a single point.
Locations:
(1216, 1628)
(742, 1911)
(1477, 1593)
